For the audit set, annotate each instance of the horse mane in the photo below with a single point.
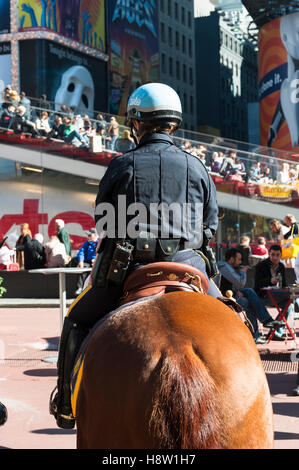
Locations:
(184, 412)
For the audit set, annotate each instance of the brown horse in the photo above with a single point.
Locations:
(178, 371)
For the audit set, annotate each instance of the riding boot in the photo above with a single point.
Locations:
(72, 337)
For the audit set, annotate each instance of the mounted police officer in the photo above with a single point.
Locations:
(164, 206)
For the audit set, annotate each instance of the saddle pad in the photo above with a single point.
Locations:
(76, 375)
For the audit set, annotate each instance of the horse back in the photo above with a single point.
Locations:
(176, 371)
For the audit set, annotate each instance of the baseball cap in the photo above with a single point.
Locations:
(91, 230)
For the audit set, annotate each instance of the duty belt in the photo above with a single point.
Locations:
(154, 249)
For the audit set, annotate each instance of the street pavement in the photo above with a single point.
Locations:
(28, 345)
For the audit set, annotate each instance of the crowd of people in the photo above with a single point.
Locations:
(42, 121)
(30, 252)
(269, 270)
(247, 170)
(18, 114)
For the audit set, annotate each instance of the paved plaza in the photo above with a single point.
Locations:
(29, 339)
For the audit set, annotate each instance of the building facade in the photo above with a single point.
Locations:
(177, 54)
(227, 74)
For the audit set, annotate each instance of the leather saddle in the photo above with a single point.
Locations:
(163, 277)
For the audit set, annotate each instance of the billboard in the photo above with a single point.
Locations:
(5, 66)
(39, 199)
(64, 75)
(279, 83)
(4, 16)
(81, 20)
(133, 49)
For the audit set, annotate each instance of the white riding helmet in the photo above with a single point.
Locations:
(155, 102)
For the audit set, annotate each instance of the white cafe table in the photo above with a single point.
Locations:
(62, 285)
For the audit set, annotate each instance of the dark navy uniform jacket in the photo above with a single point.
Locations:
(156, 172)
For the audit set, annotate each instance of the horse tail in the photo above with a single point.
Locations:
(184, 412)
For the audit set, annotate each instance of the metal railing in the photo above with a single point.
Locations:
(199, 142)
(184, 134)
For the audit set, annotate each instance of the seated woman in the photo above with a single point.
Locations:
(125, 143)
(217, 160)
(55, 253)
(42, 124)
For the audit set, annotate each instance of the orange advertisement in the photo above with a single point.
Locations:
(279, 83)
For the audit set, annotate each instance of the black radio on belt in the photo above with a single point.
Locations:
(212, 268)
(120, 262)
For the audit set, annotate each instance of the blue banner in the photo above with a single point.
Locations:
(272, 81)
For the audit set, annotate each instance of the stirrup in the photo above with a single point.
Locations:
(65, 421)
(53, 403)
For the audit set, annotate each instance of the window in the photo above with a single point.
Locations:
(162, 32)
(190, 76)
(183, 15)
(170, 35)
(184, 73)
(162, 5)
(170, 66)
(189, 19)
(177, 69)
(169, 7)
(163, 63)
(177, 40)
(183, 43)
(176, 11)
(190, 47)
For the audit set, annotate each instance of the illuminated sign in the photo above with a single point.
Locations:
(133, 48)
(80, 20)
(136, 11)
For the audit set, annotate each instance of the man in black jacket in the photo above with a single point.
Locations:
(155, 173)
(34, 252)
(21, 124)
(267, 273)
(233, 277)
